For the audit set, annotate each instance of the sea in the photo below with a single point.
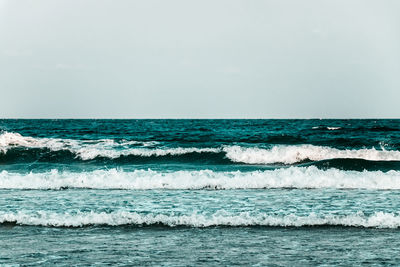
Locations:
(200, 192)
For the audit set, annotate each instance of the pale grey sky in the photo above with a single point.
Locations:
(199, 59)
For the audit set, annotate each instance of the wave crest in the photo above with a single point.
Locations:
(293, 177)
(221, 218)
(91, 149)
(111, 149)
(301, 153)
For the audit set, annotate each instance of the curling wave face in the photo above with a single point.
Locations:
(111, 149)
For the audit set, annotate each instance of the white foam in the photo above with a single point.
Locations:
(90, 149)
(221, 218)
(286, 154)
(293, 177)
(8, 140)
(328, 128)
(298, 153)
(91, 153)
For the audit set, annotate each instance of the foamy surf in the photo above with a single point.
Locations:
(118, 218)
(290, 154)
(109, 148)
(90, 149)
(203, 185)
(293, 177)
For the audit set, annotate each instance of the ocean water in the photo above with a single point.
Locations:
(200, 192)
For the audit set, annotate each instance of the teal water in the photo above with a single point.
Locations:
(199, 192)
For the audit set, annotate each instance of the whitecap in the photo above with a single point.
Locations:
(293, 177)
(220, 218)
(290, 154)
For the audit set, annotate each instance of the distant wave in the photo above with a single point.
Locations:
(293, 177)
(326, 128)
(119, 218)
(358, 129)
(14, 146)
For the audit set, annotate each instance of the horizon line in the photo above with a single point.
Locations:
(204, 118)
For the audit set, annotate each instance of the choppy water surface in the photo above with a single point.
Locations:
(192, 192)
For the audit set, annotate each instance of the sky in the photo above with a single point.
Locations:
(199, 59)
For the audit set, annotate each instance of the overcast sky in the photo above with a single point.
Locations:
(199, 59)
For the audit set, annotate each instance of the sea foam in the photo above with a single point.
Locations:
(90, 149)
(117, 218)
(109, 148)
(289, 154)
(293, 177)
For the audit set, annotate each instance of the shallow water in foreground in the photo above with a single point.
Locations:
(182, 246)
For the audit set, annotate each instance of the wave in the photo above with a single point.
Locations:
(16, 147)
(358, 129)
(326, 128)
(354, 164)
(293, 177)
(120, 218)
(301, 153)
(91, 149)
(195, 156)
(10, 139)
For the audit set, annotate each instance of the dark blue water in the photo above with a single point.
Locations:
(199, 192)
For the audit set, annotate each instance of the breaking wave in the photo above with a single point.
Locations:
(91, 149)
(326, 128)
(293, 177)
(294, 154)
(14, 147)
(119, 218)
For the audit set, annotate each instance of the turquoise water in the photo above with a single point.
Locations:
(199, 192)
